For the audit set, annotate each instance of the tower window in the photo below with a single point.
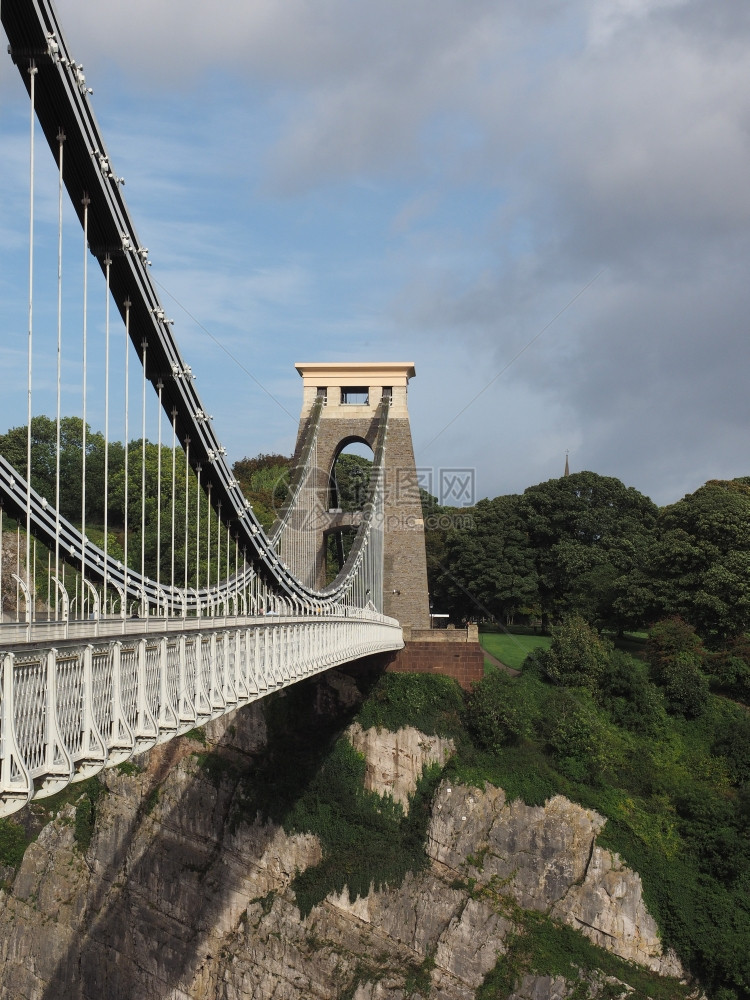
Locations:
(355, 395)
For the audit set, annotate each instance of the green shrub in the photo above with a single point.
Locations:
(577, 656)
(729, 669)
(523, 772)
(634, 702)
(675, 653)
(430, 702)
(199, 735)
(670, 636)
(499, 712)
(129, 768)
(13, 843)
(732, 741)
(86, 812)
(685, 685)
(578, 737)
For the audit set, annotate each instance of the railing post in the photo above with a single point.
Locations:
(168, 718)
(181, 693)
(16, 786)
(213, 697)
(268, 678)
(123, 740)
(58, 764)
(230, 688)
(240, 686)
(202, 696)
(93, 749)
(147, 729)
(250, 662)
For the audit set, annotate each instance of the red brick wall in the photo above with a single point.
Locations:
(462, 660)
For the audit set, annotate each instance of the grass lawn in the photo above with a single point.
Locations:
(512, 650)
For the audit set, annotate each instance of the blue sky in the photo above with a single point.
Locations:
(546, 201)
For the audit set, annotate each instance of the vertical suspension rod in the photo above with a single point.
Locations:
(107, 265)
(218, 553)
(198, 528)
(187, 510)
(174, 485)
(127, 305)
(85, 201)
(160, 387)
(32, 73)
(144, 346)
(208, 542)
(60, 140)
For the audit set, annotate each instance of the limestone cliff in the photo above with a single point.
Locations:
(172, 900)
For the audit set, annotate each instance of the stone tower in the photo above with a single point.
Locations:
(352, 393)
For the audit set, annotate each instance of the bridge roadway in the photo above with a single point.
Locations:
(79, 696)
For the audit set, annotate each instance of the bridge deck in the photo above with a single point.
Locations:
(72, 706)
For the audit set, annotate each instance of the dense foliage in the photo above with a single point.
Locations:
(490, 569)
(546, 948)
(586, 544)
(264, 481)
(667, 764)
(673, 783)
(160, 498)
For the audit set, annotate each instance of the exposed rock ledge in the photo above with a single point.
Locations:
(395, 761)
(546, 859)
(173, 903)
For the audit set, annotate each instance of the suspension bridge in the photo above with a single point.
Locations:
(123, 652)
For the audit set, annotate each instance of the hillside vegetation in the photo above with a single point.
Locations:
(669, 768)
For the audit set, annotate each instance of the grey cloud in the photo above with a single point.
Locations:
(605, 135)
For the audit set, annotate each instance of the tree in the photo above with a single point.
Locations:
(633, 701)
(264, 480)
(699, 562)
(729, 668)
(577, 656)
(676, 654)
(580, 740)
(43, 463)
(488, 567)
(350, 481)
(590, 533)
(499, 712)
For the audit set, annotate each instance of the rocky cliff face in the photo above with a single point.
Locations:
(173, 901)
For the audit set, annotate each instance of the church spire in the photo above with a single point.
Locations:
(567, 467)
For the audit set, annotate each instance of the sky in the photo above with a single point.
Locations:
(544, 205)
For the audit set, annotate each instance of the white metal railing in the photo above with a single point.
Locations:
(67, 711)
